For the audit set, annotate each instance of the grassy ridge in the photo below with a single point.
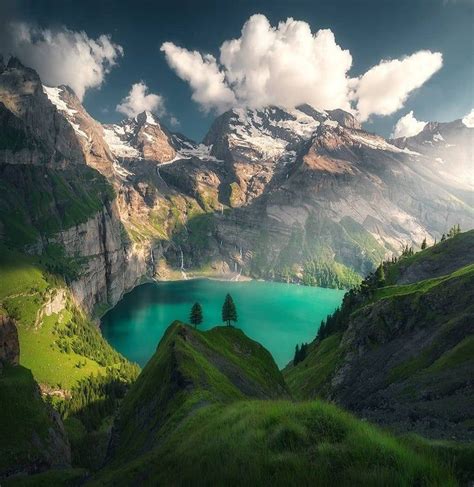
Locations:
(202, 427)
(192, 369)
(47, 345)
(66, 353)
(320, 363)
(310, 377)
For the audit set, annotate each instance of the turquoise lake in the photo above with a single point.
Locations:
(275, 314)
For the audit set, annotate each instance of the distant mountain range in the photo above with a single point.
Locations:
(301, 195)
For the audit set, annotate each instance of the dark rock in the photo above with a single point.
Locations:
(9, 345)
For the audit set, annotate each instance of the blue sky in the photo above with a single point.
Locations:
(371, 30)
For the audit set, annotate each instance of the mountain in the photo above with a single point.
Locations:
(209, 403)
(88, 211)
(399, 351)
(450, 147)
(299, 195)
(313, 197)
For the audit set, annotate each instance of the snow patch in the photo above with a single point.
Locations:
(150, 119)
(54, 95)
(119, 147)
(379, 144)
(121, 171)
(331, 123)
(468, 120)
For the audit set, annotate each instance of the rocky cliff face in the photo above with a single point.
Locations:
(111, 265)
(36, 133)
(52, 196)
(9, 345)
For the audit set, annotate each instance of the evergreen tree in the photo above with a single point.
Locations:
(297, 355)
(229, 311)
(423, 244)
(196, 315)
(300, 353)
(380, 274)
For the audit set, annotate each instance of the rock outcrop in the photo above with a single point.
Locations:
(33, 436)
(9, 345)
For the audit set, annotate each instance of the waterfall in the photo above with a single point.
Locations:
(237, 277)
(185, 277)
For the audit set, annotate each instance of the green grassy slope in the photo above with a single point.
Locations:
(189, 370)
(413, 343)
(436, 261)
(38, 201)
(279, 443)
(64, 350)
(30, 438)
(190, 420)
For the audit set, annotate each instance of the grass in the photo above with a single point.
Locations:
(279, 443)
(461, 353)
(24, 308)
(193, 368)
(309, 378)
(458, 456)
(23, 291)
(200, 427)
(58, 476)
(19, 273)
(422, 286)
(23, 417)
(434, 256)
(252, 359)
(37, 201)
(48, 363)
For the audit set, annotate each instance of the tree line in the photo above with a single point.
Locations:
(355, 297)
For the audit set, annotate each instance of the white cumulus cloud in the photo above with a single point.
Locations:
(63, 56)
(468, 120)
(383, 89)
(288, 65)
(139, 100)
(203, 75)
(407, 126)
